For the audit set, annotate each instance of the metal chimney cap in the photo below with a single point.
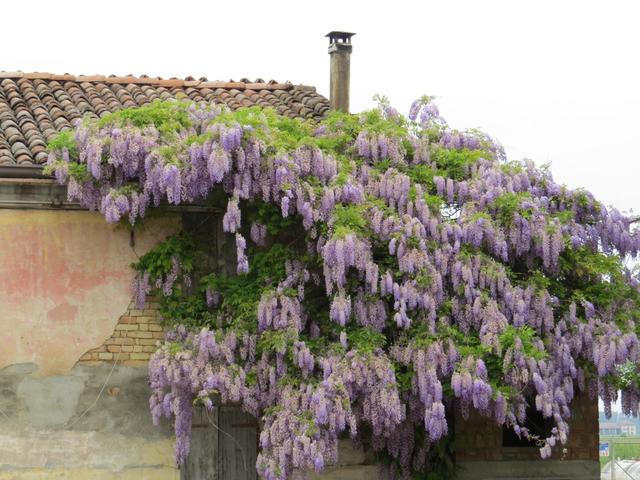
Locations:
(339, 37)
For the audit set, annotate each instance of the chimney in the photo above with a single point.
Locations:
(340, 53)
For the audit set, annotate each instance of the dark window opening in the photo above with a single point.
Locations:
(214, 251)
(535, 423)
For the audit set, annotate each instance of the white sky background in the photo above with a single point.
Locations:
(555, 81)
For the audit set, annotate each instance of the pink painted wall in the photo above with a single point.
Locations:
(64, 281)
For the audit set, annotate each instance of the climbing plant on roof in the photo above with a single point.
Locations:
(389, 269)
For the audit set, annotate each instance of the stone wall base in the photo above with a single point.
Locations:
(530, 470)
(353, 472)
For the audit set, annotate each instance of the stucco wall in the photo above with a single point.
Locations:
(64, 286)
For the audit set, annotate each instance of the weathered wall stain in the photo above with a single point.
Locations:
(49, 401)
(64, 282)
(62, 312)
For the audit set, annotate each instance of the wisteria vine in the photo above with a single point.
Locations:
(389, 270)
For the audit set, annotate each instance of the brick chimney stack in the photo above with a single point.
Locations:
(340, 54)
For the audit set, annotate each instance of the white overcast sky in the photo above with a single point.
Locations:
(555, 81)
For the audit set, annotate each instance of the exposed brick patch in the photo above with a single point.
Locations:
(134, 337)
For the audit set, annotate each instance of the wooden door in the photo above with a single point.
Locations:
(238, 441)
(223, 446)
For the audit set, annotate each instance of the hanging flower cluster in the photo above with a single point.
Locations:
(415, 271)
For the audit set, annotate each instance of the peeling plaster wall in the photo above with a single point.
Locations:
(64, 282)
(56, 430)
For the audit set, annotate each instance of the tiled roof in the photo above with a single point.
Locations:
(35, 106)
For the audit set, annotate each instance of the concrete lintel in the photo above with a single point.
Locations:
(41, 194)
(47, 194)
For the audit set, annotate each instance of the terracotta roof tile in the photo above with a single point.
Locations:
(34, 107)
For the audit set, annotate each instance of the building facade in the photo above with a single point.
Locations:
(74, 350)
(617, 429)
